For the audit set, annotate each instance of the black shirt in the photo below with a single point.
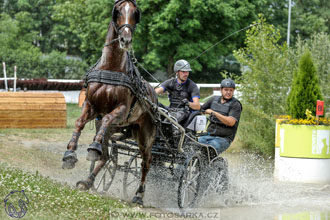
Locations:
(216, 127)
(180, 91)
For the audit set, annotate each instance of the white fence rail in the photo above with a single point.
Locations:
(73, 96)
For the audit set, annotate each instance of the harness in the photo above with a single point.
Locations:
(132, 80)
(110, 77)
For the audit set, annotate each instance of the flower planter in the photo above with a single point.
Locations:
(302, 153)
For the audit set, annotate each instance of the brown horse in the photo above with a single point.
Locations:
(111, 95)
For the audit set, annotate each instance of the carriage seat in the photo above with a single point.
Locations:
(196, 121)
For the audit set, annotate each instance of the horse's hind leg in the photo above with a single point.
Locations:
(145, 136)
(95, 149)
(70, 157)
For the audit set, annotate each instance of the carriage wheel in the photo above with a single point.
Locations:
(132, 176)
(105, 178)
(189, 183)
(220, 167)
(217, 177)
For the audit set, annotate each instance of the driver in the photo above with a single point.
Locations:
(225, 112)
(183, 92)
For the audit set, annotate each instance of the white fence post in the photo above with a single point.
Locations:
(5, 75)
(15, 78)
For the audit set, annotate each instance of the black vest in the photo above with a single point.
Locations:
(216, 127)
(179, 92)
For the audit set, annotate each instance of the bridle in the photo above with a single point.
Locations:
(119, 29)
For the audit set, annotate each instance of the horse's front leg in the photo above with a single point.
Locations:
(116, 116)
(70, 157)
(145, 136)
(89, 182)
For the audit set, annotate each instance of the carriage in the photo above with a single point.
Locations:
(117, 94)
(176, 154)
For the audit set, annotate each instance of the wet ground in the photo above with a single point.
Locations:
(253, 193)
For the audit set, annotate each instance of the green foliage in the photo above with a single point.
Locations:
(184, 29)
(264, 85)
(256, 130)
(88, 20)
(305, 88)
(55, 65)
(307, 17)
(319, 46)
(265, 81)
(169, 30)
(17, 49)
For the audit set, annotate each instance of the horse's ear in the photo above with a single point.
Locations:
(114, 14)
(137, 16)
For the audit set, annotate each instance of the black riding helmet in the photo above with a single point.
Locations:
(227, 83)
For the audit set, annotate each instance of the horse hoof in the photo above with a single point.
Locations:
(68, 164)
(96, 147)
(93, 155)
(84, 185)
(69, 159)
(138, 200)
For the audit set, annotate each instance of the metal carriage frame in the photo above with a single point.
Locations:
(190, 162)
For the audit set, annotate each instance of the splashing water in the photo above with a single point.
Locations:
(253, 192)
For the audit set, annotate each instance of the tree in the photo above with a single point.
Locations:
(88, 20)
(305, 88)
(184, 29)
(319, 46)
(17, 49)
(307, 17)
(264, 85)
(169, 30)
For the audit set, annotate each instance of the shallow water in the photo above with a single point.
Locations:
(253, 194)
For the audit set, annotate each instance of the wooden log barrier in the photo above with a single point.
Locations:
(32, 110)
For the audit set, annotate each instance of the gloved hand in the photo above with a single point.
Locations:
(185, 102)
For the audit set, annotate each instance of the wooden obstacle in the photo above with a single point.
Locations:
(32, 110)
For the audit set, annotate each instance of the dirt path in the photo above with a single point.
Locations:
(44, 155)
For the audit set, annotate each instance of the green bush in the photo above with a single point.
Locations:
(256, 130)
(57, 66)
(319, 46)
(18, 50)
(305, 88)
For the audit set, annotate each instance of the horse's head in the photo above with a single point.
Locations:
(125, 16)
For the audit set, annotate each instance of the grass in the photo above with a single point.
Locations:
(50, 200)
